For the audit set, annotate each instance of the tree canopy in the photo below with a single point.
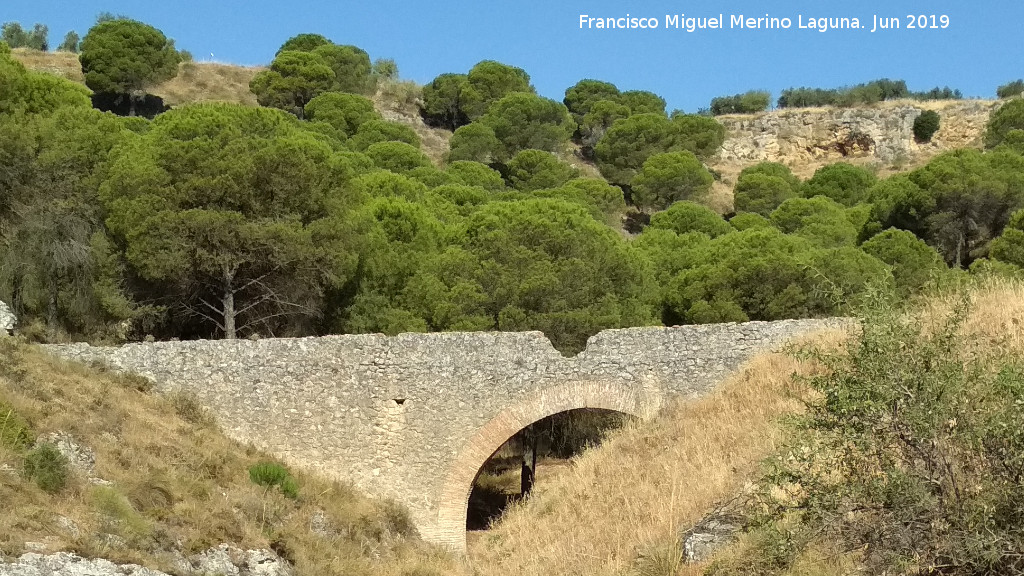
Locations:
(293, 81)
(524, 121)
(670, 177)
(1007, 119)
(629, 142)
(314, 214)
(761, 188)
(488, 82)
(26, 92)
(345, 112)
(531, 170)
(233, 208)
(845, 183)
(309, 65)
(125, 57)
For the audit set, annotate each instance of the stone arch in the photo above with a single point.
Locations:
(453, 501)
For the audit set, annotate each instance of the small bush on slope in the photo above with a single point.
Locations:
(45, 465)
(912, 460)
(178, 485)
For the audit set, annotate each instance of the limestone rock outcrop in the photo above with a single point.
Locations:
(223, 560)
(7, 319)
(883, 132)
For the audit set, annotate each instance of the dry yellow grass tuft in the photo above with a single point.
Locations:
(196, 81)
(995, 313)
(398, 101)
(173, 484)
(623, 505)
(208, 82)
(63, 64)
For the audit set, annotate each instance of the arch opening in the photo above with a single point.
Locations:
(640, 400)
(534, 455)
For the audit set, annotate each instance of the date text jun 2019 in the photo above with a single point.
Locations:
(873, 23)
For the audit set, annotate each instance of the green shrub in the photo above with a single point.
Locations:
(385, 68)
(867, 93)
(748, 220)
(913, 456)
(671, 177)
(749, 103)
(926, 125)
(532, 170)
(188, 407)
(913, 262)
(1004, 121)
(760, 193)
(270, 475)
(372, 132)
(398, 157)
(290, 488)
(1011, 90)
(684, 217)
(843, 182)
(14, 431)
(47, 467)
(122, 517)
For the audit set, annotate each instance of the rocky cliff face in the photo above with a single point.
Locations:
(806, 139)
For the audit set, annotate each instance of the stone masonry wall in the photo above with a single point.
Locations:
(413, 417)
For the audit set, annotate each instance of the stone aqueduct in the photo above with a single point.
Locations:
(414, 417)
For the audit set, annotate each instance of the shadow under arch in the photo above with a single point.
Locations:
(450, 528)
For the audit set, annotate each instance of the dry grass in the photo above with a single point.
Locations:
(621, 507)
(994, 323)
(63, 64)
(398, 101)
(178, 486)
(209, 82)
(196, 81)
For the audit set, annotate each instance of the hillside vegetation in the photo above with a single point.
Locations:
(154, 481)
(321, 210)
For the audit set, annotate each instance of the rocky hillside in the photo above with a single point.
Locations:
(882, 134)
(879, 136)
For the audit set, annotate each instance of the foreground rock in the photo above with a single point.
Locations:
(714, 532)
(7, 319)
(66, 564)
(221, 561)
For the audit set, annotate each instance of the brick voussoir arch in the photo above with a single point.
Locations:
(450, 529)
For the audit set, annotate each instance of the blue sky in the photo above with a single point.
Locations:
(981, 49)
